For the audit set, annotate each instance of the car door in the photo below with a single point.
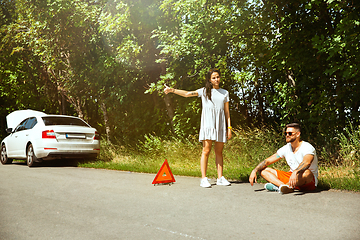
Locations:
(25, 135)
(14, 148)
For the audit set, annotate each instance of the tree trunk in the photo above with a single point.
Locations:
(106, 120)
(169, 107)
(77, 105)
(63, 105)
(168, 102)
(259, 97)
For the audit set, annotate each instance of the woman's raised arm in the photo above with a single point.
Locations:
(182, 93)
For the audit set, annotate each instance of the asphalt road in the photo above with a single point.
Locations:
(60, 202)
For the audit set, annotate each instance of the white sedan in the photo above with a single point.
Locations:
(36, 136)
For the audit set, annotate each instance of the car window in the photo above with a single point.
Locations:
(48, 121)
(30, 123)
(21, 126)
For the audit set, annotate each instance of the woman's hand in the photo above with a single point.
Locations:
(168, 90)
(229, 133)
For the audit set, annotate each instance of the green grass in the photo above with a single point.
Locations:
(242, 153)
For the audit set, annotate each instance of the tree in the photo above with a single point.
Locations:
(315, 60)
(107, 62)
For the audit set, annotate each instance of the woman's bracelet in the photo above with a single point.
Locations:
(230, 127)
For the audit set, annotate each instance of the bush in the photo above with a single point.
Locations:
(349, 142)
(251, 146)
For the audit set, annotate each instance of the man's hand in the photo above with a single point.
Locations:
(293, 180)
(261, 166)
(253, 177)
(303, 166)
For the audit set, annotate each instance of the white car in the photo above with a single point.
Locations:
(36, 136)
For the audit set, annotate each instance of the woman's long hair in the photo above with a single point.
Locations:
(208, 85)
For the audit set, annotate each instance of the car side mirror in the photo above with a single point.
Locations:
(9, 130)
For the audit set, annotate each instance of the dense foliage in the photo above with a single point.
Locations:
(107, 61)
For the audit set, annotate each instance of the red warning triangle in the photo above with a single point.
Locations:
(164, 175)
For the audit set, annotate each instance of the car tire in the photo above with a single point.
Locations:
(30, 156)
(4, 158)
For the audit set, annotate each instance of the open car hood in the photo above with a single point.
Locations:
(14, 118)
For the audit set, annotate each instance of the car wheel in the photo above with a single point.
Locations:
(30, 156)
(4, 158)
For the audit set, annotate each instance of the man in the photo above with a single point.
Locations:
(302, 159)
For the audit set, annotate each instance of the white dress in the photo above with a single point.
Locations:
(213, 122)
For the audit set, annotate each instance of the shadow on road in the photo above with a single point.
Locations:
(55, 163)
(299, 193)
(237, 182)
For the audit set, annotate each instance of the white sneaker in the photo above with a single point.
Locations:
(222, 182)
(284, 189)
(205, 183)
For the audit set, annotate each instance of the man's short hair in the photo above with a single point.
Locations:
(293, 125)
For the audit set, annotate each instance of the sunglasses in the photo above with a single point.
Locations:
(288, 133)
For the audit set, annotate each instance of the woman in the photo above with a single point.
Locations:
(215, 122)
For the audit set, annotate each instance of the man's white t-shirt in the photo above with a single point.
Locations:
(294, 159)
